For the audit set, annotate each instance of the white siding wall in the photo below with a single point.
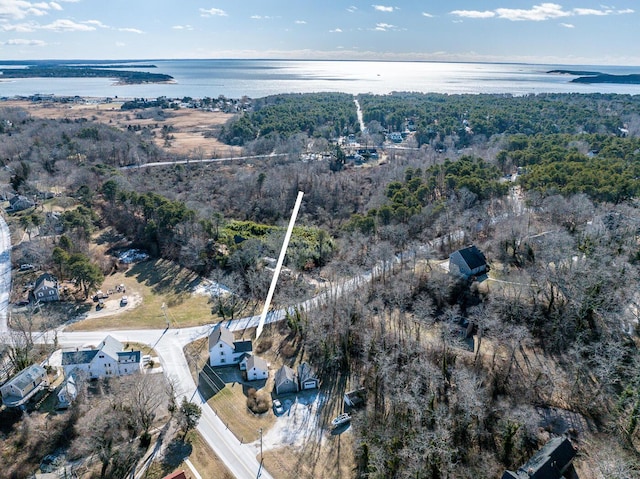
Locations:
(222, 354)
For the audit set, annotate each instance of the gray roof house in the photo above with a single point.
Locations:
(46, 288)
(286, 380)
(224, 350)
(257, 368)
(468, 262)
(24, 385)
(19, 203)
(307, 378)
(108, 359)
(553, 461)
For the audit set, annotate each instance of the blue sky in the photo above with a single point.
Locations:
(570, 32)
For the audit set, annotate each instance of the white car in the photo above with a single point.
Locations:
(124, 301)
(277, 407)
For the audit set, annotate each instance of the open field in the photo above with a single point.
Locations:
(188, 125)
(157, 283)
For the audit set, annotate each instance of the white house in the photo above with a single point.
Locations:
(257, 368)
(68, 392)
(108, 359)
(224, 350)
(468, 262)
(24, 385)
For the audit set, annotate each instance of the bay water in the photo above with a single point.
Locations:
(258, 78)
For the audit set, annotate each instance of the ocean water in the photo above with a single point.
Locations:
(259, 78)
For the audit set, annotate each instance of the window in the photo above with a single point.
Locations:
(222, 361)
(220, 344)
(221, 353)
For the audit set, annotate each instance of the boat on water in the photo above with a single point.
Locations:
(340, 420)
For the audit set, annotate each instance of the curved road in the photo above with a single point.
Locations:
(5, 273)
(240, 459)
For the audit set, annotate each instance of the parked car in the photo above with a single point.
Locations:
(99, 295)
(26, 267)
(124, 301)
(277, 407)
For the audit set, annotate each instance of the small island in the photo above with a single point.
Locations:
(599, 77)
(125, 77)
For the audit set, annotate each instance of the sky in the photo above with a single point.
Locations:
(571, 32)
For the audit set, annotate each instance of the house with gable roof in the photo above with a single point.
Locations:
(46, 288)
(307, 378)
(24, 385)
(257, 368)
(467, 262)
(286, 380)
(553, 461)
(108, 359)
(224, 350)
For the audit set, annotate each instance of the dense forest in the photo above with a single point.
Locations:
(545, 185)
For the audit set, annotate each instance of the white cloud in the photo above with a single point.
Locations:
(383, 27)
(351, 9)
(182, 27)
(24, 42)
(301, 22)
(19, 27)
(337, 30)
(383, 8)
(95, 23)
(590, 11)
(538, 13)
(130, 30)
(567, 25)
(212, 12)
(473, 13)
(121, 44)
(19, 9)
(428, 15)
(63, 25)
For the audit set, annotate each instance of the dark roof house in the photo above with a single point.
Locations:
(468, 262)
(19, 203)
(46, 288)
(553, 461)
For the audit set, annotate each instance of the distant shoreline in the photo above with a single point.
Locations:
(123, 77)
(599, 77)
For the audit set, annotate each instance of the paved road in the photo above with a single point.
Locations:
(5, 273)
(205, 160)
(169, 343)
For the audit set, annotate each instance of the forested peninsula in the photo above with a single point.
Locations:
(598, 77)
(77, 71)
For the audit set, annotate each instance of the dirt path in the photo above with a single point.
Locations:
(112, 306)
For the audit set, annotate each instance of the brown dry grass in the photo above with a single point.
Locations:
(189, 125)
(332, 458)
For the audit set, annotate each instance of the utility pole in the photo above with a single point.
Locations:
(260, 445)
